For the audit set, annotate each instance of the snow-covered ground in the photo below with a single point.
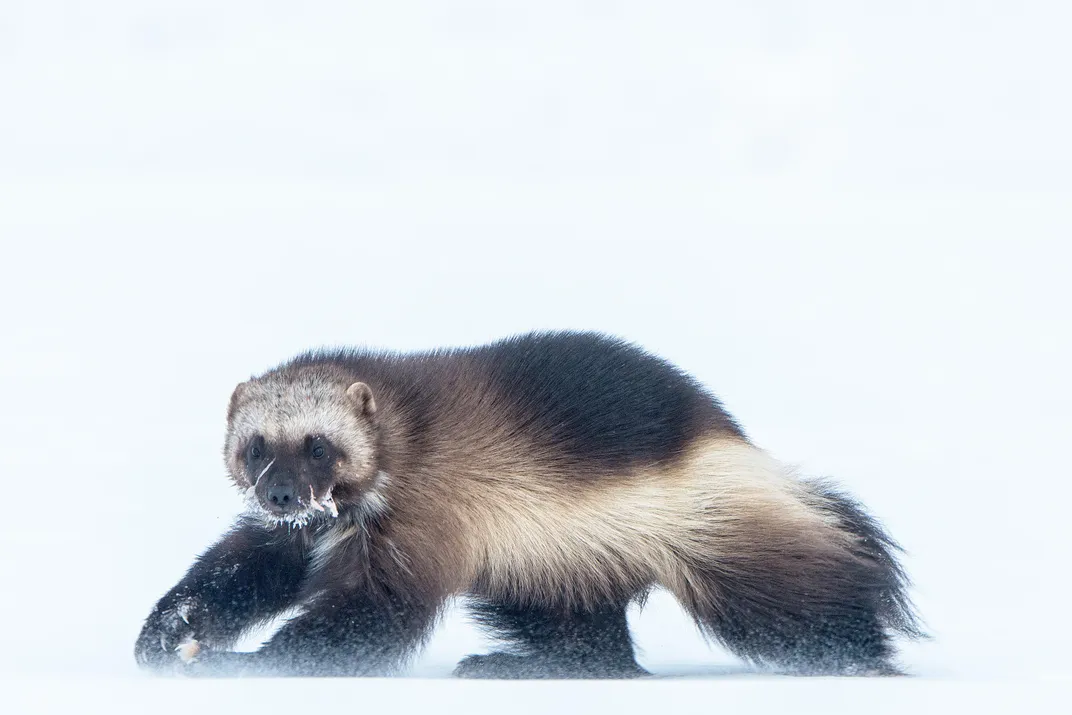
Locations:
(851, 222)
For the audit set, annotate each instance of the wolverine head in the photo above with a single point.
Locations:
(301, 443)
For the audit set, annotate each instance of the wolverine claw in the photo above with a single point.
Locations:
(167, 638)
(188, 650)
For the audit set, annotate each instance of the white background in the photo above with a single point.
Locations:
(850, 220)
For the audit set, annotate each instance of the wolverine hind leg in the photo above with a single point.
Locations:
(551, 643)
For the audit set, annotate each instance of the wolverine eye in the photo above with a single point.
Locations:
(316, 449)
(256, 449)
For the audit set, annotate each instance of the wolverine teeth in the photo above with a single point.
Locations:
(312, 500)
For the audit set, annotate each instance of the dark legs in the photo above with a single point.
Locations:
(249, 576)
(340, 634)
(254, 573)
(543, 643)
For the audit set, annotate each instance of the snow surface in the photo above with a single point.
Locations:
(850, 221)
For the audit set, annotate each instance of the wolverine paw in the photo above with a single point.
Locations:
(168, 638)
(533, 667)
(493, 665)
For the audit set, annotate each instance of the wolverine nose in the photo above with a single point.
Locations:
(281, 496)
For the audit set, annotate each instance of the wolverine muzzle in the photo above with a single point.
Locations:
(282, 497)
(280, 491)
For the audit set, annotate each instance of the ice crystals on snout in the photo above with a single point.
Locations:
(329, 503)
(264, 471)
(313, 503)
(324, 505)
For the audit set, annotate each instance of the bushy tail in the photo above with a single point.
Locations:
(873, 544)
(817, 590)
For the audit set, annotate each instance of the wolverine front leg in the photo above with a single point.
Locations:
(339, 634)
(251, 574)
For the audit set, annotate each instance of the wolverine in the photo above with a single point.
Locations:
(550, 480)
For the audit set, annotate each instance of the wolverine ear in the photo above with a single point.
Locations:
(361, 394)
(236, 399)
